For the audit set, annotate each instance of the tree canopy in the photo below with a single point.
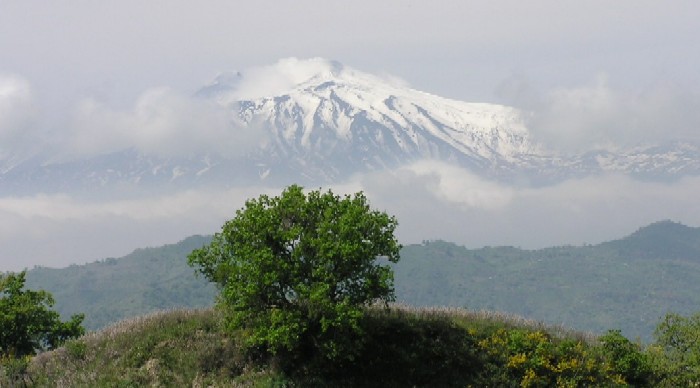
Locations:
(27, 323)
(297, 269)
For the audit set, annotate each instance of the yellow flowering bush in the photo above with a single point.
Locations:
(535, 359)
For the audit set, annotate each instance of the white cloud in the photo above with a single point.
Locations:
(162, 122)
(275, 79)
(17, 113)
(475, 212)
(431, 201)
(288, 73)
(596, 115)
(57, 230)
(459, 186)
(578, 116)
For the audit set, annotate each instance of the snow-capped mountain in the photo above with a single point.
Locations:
(328, 121)
(320, 122)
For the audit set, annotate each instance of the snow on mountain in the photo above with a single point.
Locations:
(322, 121)
(332, 118)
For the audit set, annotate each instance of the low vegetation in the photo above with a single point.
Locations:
(405, 347)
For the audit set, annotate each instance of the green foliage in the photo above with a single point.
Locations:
(677, 350)
(295, 270)
(13, 371)
(27, 323)
(535, 359)
(409, 347)
(407, 350)
(76, 349)
(628, 359)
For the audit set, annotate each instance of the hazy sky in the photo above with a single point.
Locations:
(594, 73)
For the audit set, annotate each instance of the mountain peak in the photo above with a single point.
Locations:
(661, 239)
(301, 71)
(665, 229)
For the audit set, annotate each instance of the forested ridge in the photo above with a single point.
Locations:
(626, 284)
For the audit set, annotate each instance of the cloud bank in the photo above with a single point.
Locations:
(471, 211)
(431, 200)
(17, 112)
(285, 75)
(162, 122)
(596, 115)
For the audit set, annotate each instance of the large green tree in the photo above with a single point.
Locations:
(27, 323)
(296, 270)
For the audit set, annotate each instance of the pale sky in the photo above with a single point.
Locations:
(595, 72)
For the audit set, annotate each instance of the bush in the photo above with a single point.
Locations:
(535, 359)
(13, 371)
(27, 323)
(676, 351)
(627, 359)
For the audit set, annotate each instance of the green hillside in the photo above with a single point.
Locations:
(112, 289)
(626, 284)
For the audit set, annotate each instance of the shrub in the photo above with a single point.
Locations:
(535, 359)
(627, 359)
(27, 323)
(676, 351)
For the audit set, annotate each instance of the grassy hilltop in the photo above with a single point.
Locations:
(406, 347)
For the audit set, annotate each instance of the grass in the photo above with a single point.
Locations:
(168, 348)
(487, 318)
(405, 346)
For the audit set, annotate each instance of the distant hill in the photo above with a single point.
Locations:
(625, 284)
(112, 289)
(661, 240)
